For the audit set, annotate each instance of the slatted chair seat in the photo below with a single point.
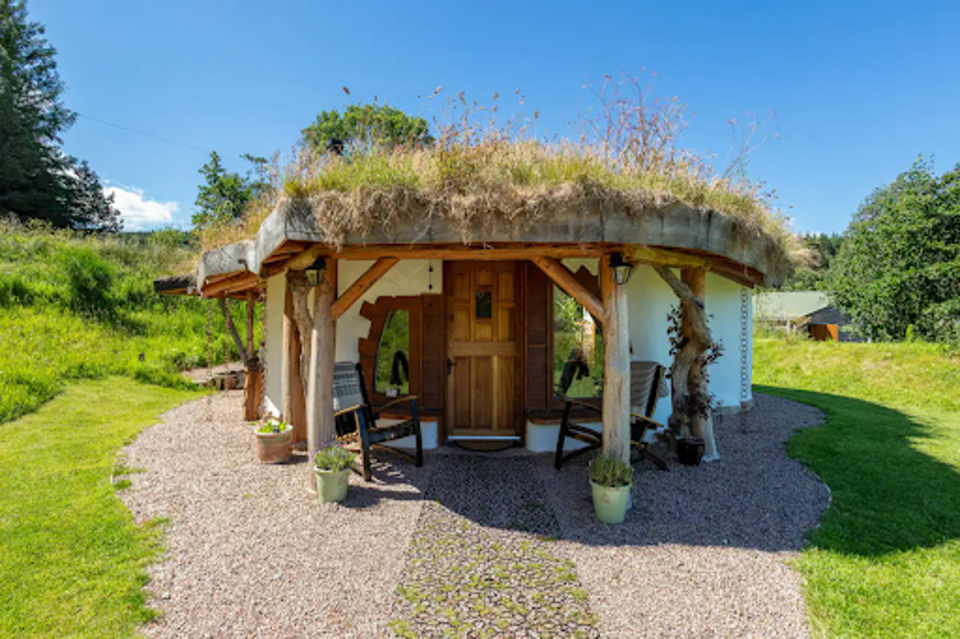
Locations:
(647, 386)
(357, 420)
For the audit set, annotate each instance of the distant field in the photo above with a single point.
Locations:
(886, 560)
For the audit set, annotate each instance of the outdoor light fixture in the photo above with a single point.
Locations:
(316, 271)
(622, 269)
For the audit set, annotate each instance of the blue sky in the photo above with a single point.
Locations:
(859, 88)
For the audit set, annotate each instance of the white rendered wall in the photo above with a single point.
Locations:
(273, 386)
(723, 302)
(407, 277)
(649, 299)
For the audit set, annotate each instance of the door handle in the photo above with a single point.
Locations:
(450, 366)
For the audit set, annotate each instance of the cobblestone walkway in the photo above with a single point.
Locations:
(483, 561)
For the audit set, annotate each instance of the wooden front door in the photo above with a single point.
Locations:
(483, 346)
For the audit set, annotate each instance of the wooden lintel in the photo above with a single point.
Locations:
(664, 257)
(449, 252)
(362, 285)
(566, 280)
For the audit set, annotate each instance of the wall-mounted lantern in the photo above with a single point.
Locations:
(316, 272)
(622, 269)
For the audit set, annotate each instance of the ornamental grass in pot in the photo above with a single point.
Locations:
(333, 464)
(274, 441)
(611, 479)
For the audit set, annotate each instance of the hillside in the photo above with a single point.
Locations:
(75, 307)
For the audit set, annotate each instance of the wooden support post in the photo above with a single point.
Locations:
(362, 285)
(323, 335)
(696, 280)
(294, 402)
(566, 280)
(616, 369)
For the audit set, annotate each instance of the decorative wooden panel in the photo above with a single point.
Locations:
(434, 359)
(377, 313)
(538, 335)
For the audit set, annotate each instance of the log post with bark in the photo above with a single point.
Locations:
(616, 365)
(690, 393)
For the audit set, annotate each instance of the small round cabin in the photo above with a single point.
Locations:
(493, 322)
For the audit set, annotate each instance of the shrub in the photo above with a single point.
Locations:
(90, 280)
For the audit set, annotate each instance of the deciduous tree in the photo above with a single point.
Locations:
(899, 266)
(381, 124)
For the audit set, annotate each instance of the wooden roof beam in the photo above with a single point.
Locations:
(566, 280)
(362, 285)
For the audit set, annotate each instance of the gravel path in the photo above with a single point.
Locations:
(482, 564)
(250, 554)
(702, 553)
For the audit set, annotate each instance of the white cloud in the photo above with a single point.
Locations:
(139, 211)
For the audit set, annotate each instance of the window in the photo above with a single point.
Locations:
(484, 305)
(577, 349)
(393, 355)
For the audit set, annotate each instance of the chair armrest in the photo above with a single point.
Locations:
(646, 419)
(405, 398)
(585, 404)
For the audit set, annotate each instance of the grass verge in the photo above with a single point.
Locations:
(886, 558)
(71, 558)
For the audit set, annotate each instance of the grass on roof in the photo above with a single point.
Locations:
(488, 177)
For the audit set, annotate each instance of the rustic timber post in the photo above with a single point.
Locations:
(690, 395)
(251, 389)
(294, 393)
(696, 280)
(320, 421)
(616, 365)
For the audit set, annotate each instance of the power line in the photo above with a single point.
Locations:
(144, 133)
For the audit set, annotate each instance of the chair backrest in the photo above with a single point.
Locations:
(348, 391)
(647, 385)
(574, 368)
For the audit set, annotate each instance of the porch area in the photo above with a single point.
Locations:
(465, 545)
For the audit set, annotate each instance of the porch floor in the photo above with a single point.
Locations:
(480, 544)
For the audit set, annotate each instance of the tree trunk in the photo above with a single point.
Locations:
(300, 291)
(320, 421)
(225, 309)
(686, 377)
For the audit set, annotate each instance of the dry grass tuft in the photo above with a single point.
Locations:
(490, 177)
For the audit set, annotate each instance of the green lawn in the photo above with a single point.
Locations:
(71, 558)
(886, 560)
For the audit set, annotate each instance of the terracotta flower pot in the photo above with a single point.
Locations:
(690, 450)
(275, 448)
(610, 504)
(332, 485)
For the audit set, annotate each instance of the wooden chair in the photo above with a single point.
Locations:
(350, 400)
(646, 388)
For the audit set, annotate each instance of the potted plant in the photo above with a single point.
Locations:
(690, 450)
(333, 465)
(611, 479)
(274, 441)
